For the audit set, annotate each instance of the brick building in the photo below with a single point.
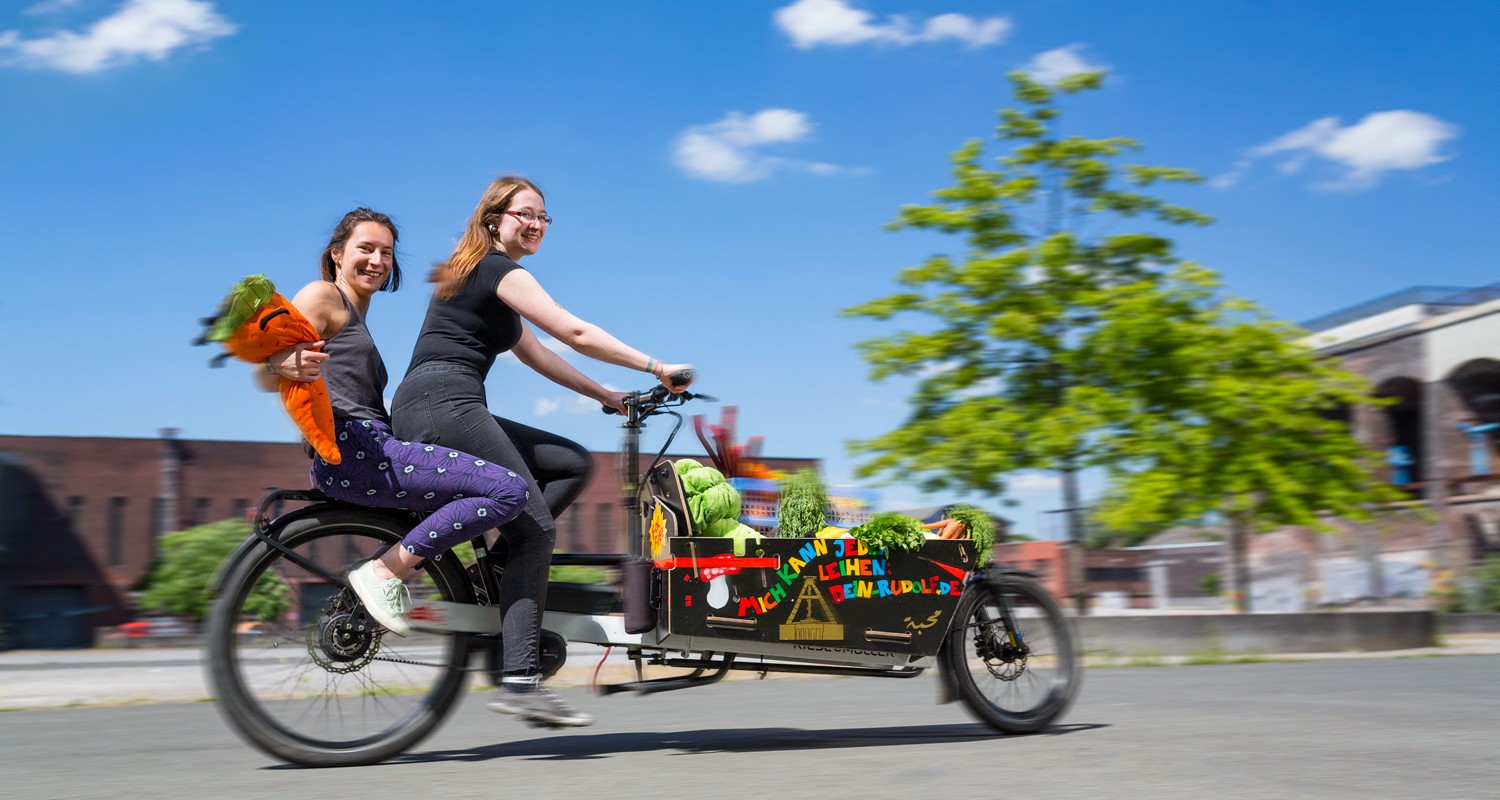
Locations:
(1124, 577)
(80, 518)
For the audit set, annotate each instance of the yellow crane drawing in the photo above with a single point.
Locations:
(812, 624)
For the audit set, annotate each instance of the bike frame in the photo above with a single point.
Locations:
(482, 623)
(280, 704)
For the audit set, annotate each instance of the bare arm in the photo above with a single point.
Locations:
(319, 301)
(521, 291)
(553, 367)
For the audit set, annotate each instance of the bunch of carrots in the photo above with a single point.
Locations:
(948, 528)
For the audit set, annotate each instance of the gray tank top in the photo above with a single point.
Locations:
(354, 371)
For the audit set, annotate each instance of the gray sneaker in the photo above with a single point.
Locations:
(386, 600)
(538, 704)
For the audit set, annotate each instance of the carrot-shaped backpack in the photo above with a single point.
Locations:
(254, 322)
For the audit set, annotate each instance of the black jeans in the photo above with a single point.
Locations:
(445, 404)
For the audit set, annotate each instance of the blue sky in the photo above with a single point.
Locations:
(720, 173)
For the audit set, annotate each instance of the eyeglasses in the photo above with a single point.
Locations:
(528, 217)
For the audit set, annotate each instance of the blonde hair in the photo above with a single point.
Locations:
(477, 240)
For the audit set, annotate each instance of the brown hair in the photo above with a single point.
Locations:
(477, 240)
(340, 237)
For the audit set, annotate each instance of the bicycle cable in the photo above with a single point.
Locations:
(640, 489)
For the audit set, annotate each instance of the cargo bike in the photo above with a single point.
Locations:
(305, 675)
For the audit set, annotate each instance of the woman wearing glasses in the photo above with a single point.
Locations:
(477, 311)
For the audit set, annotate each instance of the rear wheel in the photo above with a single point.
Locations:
(1011, 655)
(303, 673)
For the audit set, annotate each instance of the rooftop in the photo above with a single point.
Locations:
(1437, 299)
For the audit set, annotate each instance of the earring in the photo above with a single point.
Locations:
(492, 229)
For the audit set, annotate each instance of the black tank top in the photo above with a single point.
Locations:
(475, 325)
(354, 372)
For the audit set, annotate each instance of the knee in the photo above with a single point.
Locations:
(508, 490)
(583, 461)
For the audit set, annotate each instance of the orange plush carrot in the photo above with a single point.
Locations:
(254, 322)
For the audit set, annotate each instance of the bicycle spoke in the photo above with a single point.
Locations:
(1012, 656)
(323, 681)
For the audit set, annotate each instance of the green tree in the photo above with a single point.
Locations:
(1058, 344)
(1253, 442)
(188, 560)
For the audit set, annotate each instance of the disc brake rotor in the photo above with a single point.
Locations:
(1004, 660)
(343, 639)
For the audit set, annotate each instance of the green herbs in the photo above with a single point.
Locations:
(803, 505)
(890, 531)
(981, 528)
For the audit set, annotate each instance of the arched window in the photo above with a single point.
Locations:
(1403, 442)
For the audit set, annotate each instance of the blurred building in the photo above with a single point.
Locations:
(1149, 576)
(81, 517)
(1434, 354)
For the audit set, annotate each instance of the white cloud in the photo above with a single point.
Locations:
(730, 150)
(966, 29)
(139, 29)
(1365, 151)
(811, 23)
(1054, 65)
(51, 7)
(574, 404)
(1232, 177)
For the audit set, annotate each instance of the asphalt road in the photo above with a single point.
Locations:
(1386, 728)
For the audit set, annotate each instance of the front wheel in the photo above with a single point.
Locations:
(1011, 654)
(300, 670)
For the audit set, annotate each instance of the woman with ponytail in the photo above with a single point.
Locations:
(479, 309)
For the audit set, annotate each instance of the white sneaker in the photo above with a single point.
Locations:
(538, 704)
(386, 600)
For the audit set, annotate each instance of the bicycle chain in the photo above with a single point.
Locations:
(394, 660)
(341, 605)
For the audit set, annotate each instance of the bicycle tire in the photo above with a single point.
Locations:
(373, 694)
(1013, 689)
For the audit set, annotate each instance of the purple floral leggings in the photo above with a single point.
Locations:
(466, 495)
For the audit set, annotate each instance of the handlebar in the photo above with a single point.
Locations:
(649, 400)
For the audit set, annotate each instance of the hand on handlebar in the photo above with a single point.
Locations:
(614, 402)
(672, 384)
(669, 371)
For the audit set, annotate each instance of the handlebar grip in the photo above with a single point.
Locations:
(679, 378)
